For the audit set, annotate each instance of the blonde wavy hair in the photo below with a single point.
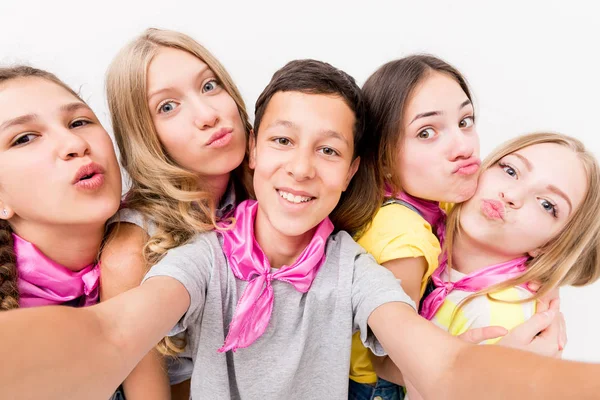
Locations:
(167, 194)
(572, 256)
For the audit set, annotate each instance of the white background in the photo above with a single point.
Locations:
(532, 65)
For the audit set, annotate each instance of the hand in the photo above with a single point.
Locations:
(544, 333)
(478, 335)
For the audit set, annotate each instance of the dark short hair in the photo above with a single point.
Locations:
(361, 200)
(315, 77)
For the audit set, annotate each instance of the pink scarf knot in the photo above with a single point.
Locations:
(248, 262)
(43, 282)
(473, 282)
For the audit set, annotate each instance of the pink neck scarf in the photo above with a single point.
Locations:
(474, 282)
(248, 262)
(429, 210)
(43, 282)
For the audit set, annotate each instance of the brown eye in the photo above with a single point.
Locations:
(466, 122)
(426, 133)
(28, 137)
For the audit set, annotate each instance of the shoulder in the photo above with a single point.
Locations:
(135, 217)
(396, 219)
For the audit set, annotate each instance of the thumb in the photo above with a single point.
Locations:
(478, 335)
(537, 323)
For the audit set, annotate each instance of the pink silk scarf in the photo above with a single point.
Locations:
(248, 262)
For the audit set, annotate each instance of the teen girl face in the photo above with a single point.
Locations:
(302, 159)
(57, 163)
(439, 153)
(524, 200)
(197, 121)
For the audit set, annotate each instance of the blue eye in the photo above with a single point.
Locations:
(210, 86)
(509, 170)
(167, 107)
(549, 207)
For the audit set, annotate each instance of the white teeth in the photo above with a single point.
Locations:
(293, 199)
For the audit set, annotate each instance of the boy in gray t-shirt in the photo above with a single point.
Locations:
(305, 351)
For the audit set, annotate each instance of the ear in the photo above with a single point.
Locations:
(6, 212)
(252, 150)
(353, 168)
(535, 253)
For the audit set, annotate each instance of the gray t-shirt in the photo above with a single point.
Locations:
(305, 351)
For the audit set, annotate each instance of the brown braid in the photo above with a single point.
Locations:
(9, 293)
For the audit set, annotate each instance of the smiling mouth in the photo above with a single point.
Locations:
(294, 198)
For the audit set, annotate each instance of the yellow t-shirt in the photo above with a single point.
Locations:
(396, 232)
(482, 311)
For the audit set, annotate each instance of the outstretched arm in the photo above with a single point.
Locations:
(87, 352)
(426, 354)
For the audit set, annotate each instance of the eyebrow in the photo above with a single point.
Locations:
(551, 188)
(325, 132)
(71, 107)
(23, 119)
(27, 118)
(524, 160)
(562, 194)
(433, 113)
(201, 72)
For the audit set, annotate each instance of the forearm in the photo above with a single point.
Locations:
(149, 379)
(85, 353)
(386, 369)
(423, 352)
(495, 372)
(56, 353)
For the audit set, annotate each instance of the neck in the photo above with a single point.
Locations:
(74, 247)
(216, 185)
(469, 256)
(280, 249)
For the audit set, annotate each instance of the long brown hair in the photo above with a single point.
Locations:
(387, 92)
(572, 257)
(9, 293)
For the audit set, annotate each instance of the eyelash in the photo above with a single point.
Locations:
(503, 166)
(15, 141)
(554, 208)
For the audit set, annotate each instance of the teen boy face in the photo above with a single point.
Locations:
(302, 158)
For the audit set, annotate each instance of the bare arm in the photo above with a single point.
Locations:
(410, 271)
(123, 268)
(87, 352)
(426, 354)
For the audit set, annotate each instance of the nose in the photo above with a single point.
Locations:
(512, 197)
(71, 144)
(300, 166)
(206, 116)
(464, 146)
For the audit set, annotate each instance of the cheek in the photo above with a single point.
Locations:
(416, 167)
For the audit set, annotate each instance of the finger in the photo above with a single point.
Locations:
(478, 335)
(533, 286)
(555, 304)
(534, 325)
(542, 306)
(562, 333)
